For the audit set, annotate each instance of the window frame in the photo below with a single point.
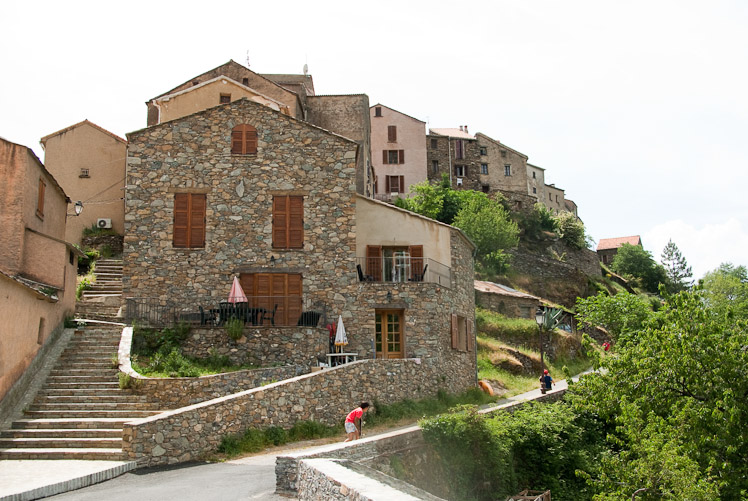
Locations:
(392, 133)
(460, 171)
(194, 226)
(244, 140)
(40, 198)
(507, 169)
(288, 222)
(224, 98)
(484, 168)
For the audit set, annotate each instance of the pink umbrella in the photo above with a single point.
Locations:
(237, 294)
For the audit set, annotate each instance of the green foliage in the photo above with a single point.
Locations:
(675, 403)
(146, 341)
(635, 263)
(256, 440)
(235, 328)
(415, 409)
(676, 267)
(495, 325)
(538, 221)
(126, 381)
(537, 446)
(84, 283)
(70, 323)
(726, 289)
(621, 314)
(571, 230)
(106, 251)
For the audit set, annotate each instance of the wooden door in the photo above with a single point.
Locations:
(389, 339)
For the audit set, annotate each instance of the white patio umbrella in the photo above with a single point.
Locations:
(237, 293)
(340, 338)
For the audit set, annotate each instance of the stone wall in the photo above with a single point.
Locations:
(114, 242)
(326, 396)
(544, 266)
(516, 307)
(444, 153)
(261, 346)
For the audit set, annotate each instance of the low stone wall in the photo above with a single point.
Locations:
(98, 242)
(375, 451)
(325, 396)
(260, 346)
(544, 266)
(178, 392)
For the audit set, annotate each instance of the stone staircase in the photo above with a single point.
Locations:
(103, 300)
(80, 410)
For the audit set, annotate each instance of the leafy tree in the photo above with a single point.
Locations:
(676, 403)
(487, 224)
(633, 262)
(571, 230)
(678, 272)
(621, 314)
(437, 201)
(538, 221)
(726, 289)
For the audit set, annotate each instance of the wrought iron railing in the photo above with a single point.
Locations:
(264, 311)
(401, 267)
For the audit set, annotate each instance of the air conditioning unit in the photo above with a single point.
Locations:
(104, 223)
(459, 181)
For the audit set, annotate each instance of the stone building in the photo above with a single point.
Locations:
(501, 168)
(536, 181)
(398, 144)
(554, 198)
(454, 152)
(505, 300)
(89, 163)
(37, 266)
(243, 190)
(607, 248)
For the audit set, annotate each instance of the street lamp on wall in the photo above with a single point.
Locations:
(540, 320)
(77, 208)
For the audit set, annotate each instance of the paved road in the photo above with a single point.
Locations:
(251, 478)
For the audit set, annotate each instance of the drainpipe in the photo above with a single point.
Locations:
(449, 156)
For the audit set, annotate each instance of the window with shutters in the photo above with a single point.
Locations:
(288, 222)
(483, 151)
(40, 198)
(274, 292)
(189, 220)
(243, 140)
(434, 144)
(507, 170)
(225, 98)
(393, 157)
(460, 170)
(378, 111)
(435, 166)
(462, 333)
(459, 149)
(392, 133)
(395, 184)
(395, 263)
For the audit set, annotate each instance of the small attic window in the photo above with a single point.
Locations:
(225, 98)
(245, 81)
(378, 111)
(84, 173)
(195, 82)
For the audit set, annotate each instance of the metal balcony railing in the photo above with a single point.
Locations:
(401, 267)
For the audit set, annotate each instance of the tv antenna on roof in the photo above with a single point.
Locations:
(306, 69)
(247, 59)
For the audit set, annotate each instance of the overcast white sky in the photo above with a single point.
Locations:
(638, 109)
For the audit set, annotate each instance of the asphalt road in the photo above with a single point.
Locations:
(251, 478)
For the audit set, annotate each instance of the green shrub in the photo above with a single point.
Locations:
(538, 221)
(307, 430)
(84, 283)
(571, 230)
(235, 328)
(95, 231)
(276, 435)
(494, 325)
(70, 323)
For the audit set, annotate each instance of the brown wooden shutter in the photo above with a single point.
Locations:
(280, 217)
(197, 220)
(263, 291)
(250, 141)
(247, 281)
(455, 332)
(401, 156)
(374, 262)
(237, 142)
(391, 133)
(181, 220)
(296, 222)
(243, 140)
(293, 303)
(416, 260)
(384, 157)
(40, 200)
(402, 184)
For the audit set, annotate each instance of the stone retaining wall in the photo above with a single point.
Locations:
(260, 346)
(326, 396)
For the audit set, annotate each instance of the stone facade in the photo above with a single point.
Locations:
(347, 115)
(554, 198)
(444, 154)
(506, 169)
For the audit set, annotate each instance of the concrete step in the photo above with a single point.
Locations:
(121, 399)
(74, 385)
(63, 433)
(84, 381)
(68, 453)
(63, 442)
(128, 414)
(101, 405)
(70, 423)
(111, 373)
(86, 393)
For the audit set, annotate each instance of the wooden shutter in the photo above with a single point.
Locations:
(401, 156)
(40, 200)
(243, 140)
(288, 222)
(455, 332)
(402, 184)
(391, 133)
(384, 157)
(374, 262)
(416, 260)
(293, 302)
(197, 220)
(181, 220)
(280, 216)
(247, 281)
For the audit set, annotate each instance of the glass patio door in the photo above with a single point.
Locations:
(389, 334)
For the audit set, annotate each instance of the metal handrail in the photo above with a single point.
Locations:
(403, 268)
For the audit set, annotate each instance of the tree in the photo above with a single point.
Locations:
(633, 262)
(675, 402)
(678, 272)
(726, 289)
(571, 230)
(621, 314)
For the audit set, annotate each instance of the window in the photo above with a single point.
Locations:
(40, 199)
(378, 111)
(435, 166)
(460, 170)
(484, 168)
(288, 222)
(389, 333)
(533, 175)
(462, 333)
(534, 190)
(459, 150)
(243, 140)
(392, 133)
(556, 198)
(395, 184)
(503, 153)
(395, 264)
(225, 98)
(434, 144)
(189, 220)
(279, 292)
(393, 157)
(483, 151)
(507, 170)
(84, 173)
(71, 257)
(550, 197)
(245, 81)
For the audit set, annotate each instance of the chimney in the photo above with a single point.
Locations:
(460, 128)
(466, 129)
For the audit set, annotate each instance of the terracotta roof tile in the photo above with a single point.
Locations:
(614, 243)
(454, 132)
(500, 289)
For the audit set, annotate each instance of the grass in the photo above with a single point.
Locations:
(83, 282)
(175, 364)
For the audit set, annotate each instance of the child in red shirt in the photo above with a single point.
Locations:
(353, 431)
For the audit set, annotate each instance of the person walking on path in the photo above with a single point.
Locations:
(546, 381)
(353, 431)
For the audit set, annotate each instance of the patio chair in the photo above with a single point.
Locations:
(361, 276)
(207, 318)
(225, 311)
(309, 319)
(241, 312)
(270, 315)
(418, 277)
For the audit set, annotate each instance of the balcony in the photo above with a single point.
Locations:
(401, 267)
